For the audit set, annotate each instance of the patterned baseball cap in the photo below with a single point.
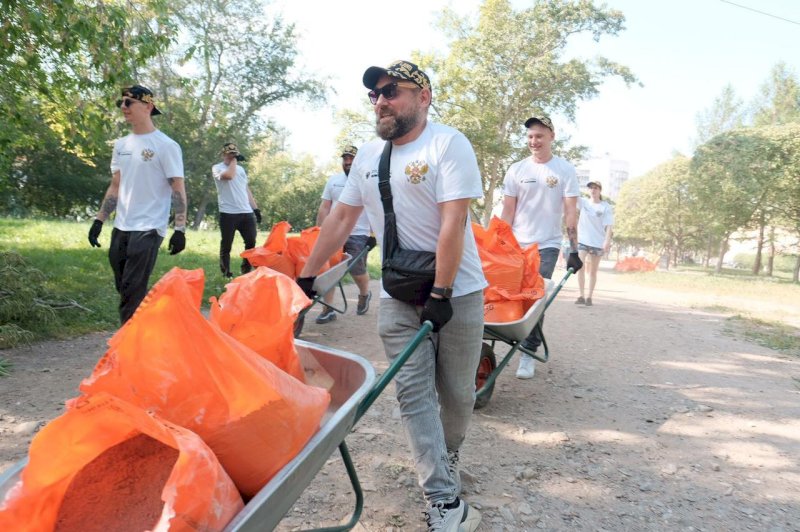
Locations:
(350, 150)
(229, 147)
(143, 94)
(400, 70)
(540, 119)
(597, 184)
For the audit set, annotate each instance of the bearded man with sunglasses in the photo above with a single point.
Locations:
(146, 179)
(433, 176)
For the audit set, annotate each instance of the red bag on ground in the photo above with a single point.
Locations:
(169, 359)
(259, 309)
(107, 464)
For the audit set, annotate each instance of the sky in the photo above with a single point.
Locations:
(683, 52)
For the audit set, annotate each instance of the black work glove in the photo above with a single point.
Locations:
(306, 284)
(437, 311)
(94, 232)
(257, 212)
(240, 157)
(177, 242)
(574, 262)
(371, 242)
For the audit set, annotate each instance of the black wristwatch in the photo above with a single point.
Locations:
(446, 292)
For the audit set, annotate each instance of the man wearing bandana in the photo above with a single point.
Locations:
(146, 180)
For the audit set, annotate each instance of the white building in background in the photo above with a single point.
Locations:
(611, 173)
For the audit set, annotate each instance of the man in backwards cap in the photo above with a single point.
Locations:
(238, 210)
(434, 176)
(537, 192)
(359, 238)
(146, 178)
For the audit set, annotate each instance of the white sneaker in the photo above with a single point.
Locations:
(527, 367)
(461, 518)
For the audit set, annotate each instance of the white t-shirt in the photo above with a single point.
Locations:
(437, 166)
(540, 189)
(231, 193)
(593, 220)
(333, 189)
(145, 162)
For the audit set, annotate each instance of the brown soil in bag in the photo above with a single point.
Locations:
(120, 490)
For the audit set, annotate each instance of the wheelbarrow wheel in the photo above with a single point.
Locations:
(298, 325)
(486, 366)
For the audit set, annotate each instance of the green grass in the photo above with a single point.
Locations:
(74, 271)
(775, 336)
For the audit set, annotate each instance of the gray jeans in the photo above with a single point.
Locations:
(436, 386)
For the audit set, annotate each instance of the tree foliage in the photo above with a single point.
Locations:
(509, 64)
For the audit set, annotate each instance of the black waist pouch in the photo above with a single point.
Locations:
(408, 275)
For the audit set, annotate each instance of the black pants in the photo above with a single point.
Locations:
(547, 264)
(245, 223)
(132, 256)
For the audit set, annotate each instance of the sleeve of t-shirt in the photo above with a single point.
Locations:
(510, 183)
(571, 188)
(459, 176)
(326, 192)
(351, 194)
(114, 157)
(217, 170)
(172, 160)
(581, 201)
(608, 216)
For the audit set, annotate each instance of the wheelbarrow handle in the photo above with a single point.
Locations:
(398, 362)
(558, 287)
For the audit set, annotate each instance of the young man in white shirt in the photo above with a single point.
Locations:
(146, 178)
(434, 175)
(537, 192)
(595, 227)
(238, 210)
(355, 243)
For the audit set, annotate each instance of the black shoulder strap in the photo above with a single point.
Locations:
(383, 178)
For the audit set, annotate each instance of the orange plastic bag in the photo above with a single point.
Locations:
(168, 358)
(501, 256)
(83, 474)
(515, 283)
(300, 247)
(273, 253)
(634, 264)
(259, 309)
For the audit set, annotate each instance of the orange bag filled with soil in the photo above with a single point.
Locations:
(259, 309)
(108, 465)
(168, 358)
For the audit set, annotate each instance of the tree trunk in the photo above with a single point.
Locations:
(759, 248)
(709, 251)
(201, 210)
(771, 258)
(723, 248)
(796, 270)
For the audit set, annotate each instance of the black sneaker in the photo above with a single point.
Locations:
(326, 316)
(580, 301)
(363, 303)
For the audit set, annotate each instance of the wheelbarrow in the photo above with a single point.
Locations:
(327, 281)
(512, 333)
(354, 390)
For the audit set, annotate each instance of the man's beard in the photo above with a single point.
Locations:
(397, 127)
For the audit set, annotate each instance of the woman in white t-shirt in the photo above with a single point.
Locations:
(595, 226)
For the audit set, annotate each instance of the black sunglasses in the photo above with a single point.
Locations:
(388, 91)
(126, 102)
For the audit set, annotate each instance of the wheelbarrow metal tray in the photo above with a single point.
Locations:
(331, 277)
(353, 377)
(519, 329)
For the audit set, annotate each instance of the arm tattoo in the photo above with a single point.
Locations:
(109, 205)
(179, 206)
(572, 234)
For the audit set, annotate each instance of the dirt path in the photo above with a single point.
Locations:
(647, 417)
